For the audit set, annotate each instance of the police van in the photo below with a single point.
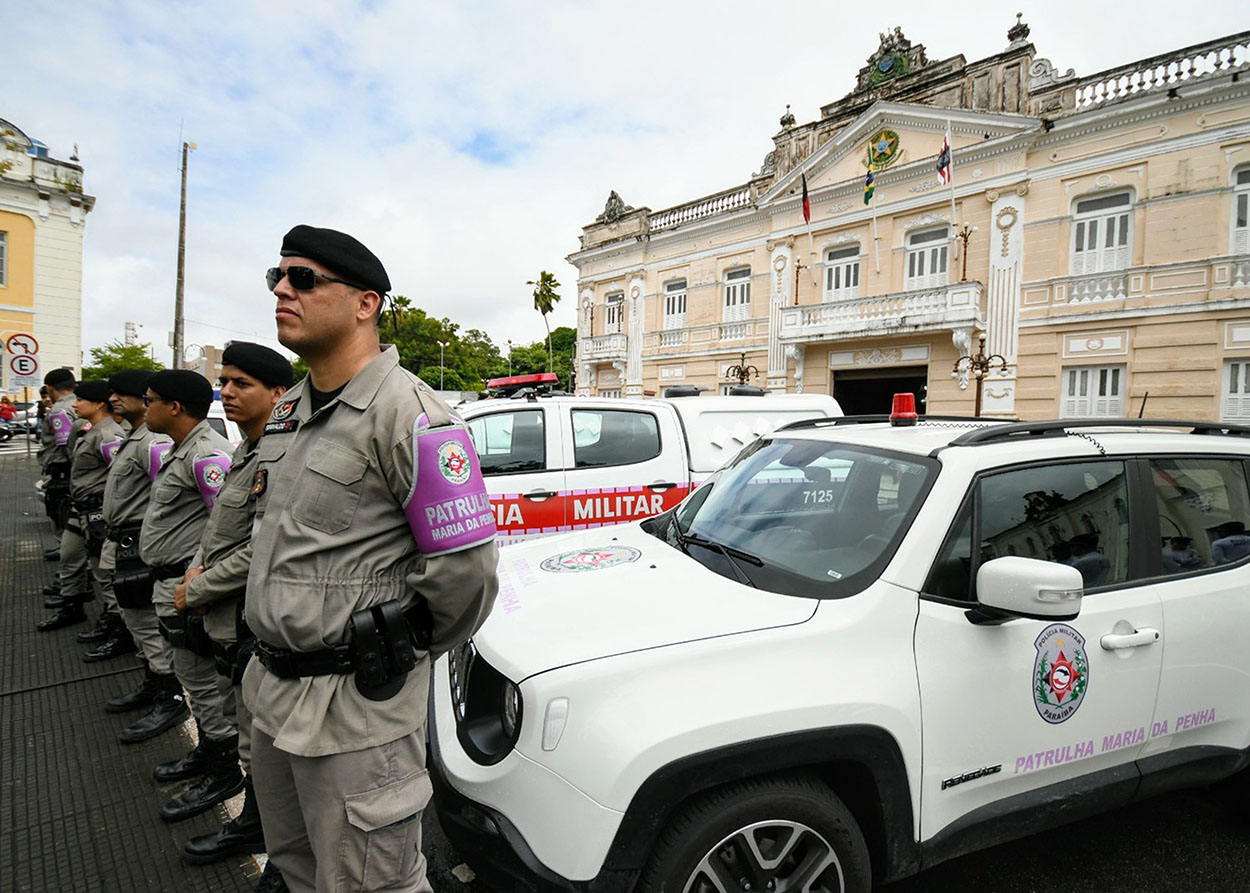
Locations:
(858, 650)
(560, 463)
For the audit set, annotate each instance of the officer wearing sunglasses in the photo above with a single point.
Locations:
(352, 590)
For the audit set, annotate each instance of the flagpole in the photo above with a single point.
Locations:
(951, 167)
(872, 201)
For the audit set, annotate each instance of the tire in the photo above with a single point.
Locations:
(775, 835)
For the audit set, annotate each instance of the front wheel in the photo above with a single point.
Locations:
(764, 836)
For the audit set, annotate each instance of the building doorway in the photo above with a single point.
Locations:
(871, 391)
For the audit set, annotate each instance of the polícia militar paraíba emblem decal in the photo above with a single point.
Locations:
(1060, 673)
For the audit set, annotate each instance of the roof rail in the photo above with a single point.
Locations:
(1059, 427)
(834, 421)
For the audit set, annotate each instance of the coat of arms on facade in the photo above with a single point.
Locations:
(1060, 673)
(894, 58)
(883, 148)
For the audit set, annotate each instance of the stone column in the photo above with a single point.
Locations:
(633, 345)
(1002, 296)
(585, 330)
(779, 296)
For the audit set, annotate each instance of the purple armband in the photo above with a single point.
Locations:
(449, 508)
(210, 474)
(61, 426)
(156, 458)
(109, 449)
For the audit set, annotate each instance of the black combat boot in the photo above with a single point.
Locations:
(54, 601)
(98, 633)
(136, 698)
(119, 642)
(70, 613)
(242, 834)
(271, 880)
(221, 781)
(169, 708)
(192, 765)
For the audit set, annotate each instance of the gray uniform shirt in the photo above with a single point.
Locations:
(129, 482)
(182, 496)
(224, 547)
(58, 426)
(94, 449)
(331, 538)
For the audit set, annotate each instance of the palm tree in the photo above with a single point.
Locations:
(545, 300)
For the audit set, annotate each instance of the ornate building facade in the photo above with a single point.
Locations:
(1095, 233)
(43, 213)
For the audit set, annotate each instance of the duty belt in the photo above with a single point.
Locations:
(169, 571)
(293, 664)
(121, 531)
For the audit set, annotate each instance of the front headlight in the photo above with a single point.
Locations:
(487, 706)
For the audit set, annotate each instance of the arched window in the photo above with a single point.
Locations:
(1102, 233)
(926, 258)
(842, 273)
(737, 294)
(1241, 211)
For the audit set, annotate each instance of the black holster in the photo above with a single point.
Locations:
(232, 659)
(187, 631)
(384, 648)
(56, 493)
(132, 579)
(91, 511)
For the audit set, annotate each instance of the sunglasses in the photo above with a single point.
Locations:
(148, 401)
(302, 278)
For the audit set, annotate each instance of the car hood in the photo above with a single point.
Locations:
(612, 590)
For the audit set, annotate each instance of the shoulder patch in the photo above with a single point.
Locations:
(210, 474)
(284, 409)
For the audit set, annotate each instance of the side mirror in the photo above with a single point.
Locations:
(1026, 587)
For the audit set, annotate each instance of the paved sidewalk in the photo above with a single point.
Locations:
(78, 810)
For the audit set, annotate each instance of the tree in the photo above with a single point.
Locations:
(115, 356)
(545, 300)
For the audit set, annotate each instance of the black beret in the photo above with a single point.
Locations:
(131, 382)
(183, 385)
(96, 391)
(340, 253)
(260, 362)
(61, 379)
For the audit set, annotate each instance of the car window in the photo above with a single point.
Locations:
(510, 442)
(818, 519)
(1074, 513)
(218, 425)
(613, 437)
(1203, 511)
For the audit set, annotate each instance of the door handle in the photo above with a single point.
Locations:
(539, 495)
(661, 485)
(1135, 639)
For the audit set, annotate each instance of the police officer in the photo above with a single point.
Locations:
(54, 457)
(183, 494)
(73, 583)
(253, 378)
(126, 495)
(350, 579)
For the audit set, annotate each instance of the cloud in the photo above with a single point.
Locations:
(466, 143)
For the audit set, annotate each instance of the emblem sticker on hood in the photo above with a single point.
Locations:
(590, 559)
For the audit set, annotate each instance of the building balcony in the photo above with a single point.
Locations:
(1156, 287)
(941, 308)
(604, 348)
(705, 339)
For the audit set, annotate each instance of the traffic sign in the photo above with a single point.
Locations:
(24, 371)
(21, 343)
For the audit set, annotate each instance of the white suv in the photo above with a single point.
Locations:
(857, 651)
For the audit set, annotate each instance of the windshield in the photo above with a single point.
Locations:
(801, 517)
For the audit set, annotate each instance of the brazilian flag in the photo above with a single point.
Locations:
(869, 183)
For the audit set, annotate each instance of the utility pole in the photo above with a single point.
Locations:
(179, 326)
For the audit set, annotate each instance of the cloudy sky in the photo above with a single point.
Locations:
(466, 143)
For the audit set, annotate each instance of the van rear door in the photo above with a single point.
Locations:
(623, 464)
(522, 455)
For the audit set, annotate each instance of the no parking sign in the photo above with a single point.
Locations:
(23, 361)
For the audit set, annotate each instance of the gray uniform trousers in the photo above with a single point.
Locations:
(72, 572)
(198, 675)
(232, 705)
(363, 845)
(142, 622)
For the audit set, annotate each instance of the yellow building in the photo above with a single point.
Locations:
(43, 212)
(1095, 232)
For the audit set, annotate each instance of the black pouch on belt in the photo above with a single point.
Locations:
(132, 579)
(198, 641)
(96, 530)
(382, 642)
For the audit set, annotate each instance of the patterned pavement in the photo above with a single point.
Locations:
(78, 810)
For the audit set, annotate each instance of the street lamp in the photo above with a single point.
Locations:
(509, 357)
(441, 345)
(742, 370)
(978, 366)
(963, 234)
